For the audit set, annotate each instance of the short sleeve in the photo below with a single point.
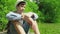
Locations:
(13, 16)
(35, 16)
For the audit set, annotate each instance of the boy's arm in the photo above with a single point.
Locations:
(35, 28)
(18, 27)
(14, 18)
(32, 23)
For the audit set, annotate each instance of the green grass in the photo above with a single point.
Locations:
(49, 28)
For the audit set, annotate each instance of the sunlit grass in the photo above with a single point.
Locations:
(49, 28)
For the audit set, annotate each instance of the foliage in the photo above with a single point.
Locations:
(5, 7)
(50, 10)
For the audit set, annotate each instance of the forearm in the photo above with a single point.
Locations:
(35, 28)
(19, 28)
(12, 16)
(33, 24)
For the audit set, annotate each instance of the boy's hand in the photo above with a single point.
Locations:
(27, 18)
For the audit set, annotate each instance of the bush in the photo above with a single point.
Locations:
(50, 10)
(5, 7)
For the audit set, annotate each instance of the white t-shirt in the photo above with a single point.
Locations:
(15, 16)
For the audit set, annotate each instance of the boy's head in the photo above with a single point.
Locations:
(21, 6)
(21, 3)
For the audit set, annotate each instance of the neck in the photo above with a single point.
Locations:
(20, 12)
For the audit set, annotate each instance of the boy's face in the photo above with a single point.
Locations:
(21, 8)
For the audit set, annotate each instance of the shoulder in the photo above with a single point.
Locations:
(12, 13)
(13, 16)
(9, 12)
(32, 14)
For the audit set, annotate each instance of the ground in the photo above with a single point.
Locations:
(49, 28)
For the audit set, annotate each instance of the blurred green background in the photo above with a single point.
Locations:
(47, 10)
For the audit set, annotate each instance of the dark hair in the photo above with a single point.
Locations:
(21, 3)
